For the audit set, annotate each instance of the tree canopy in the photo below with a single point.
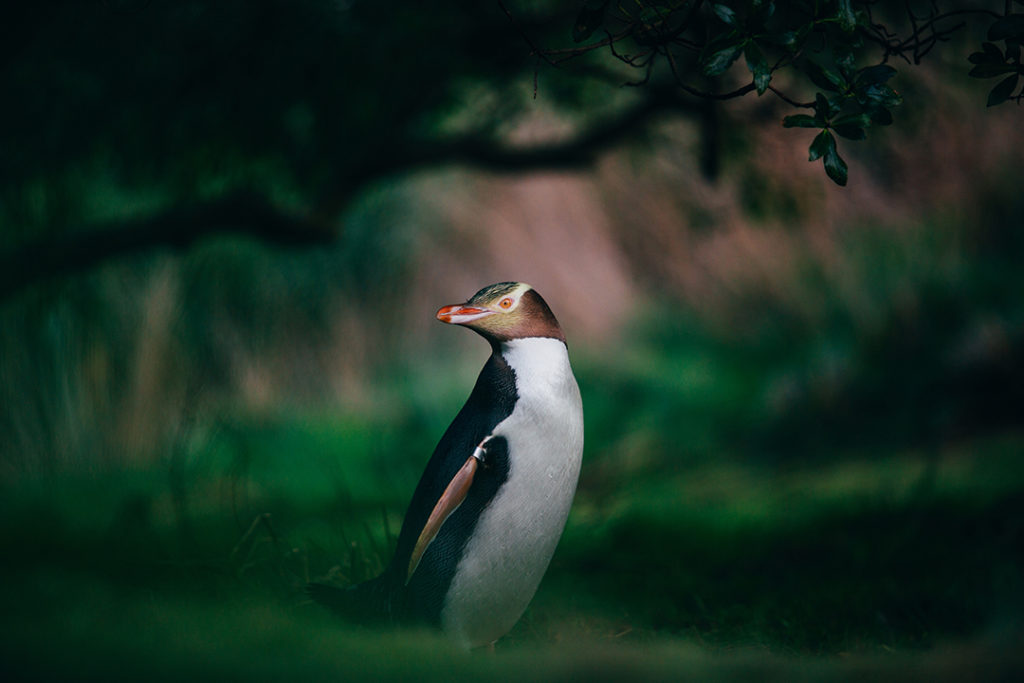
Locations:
(271, 118)
(843, 52)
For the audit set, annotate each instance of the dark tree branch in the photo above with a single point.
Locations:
(242, 213)
(251, 215)
(483, 152)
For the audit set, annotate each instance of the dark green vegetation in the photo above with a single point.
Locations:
(145, 124)
(726, 523)
(858, 558)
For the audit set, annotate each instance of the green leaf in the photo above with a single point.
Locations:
(823, 109)
(764, 11)
(844, 57)
(823, 143)
(589, 19)
(849, 131)
(721, 59)
(800, 121)
(1003, 90)
(874, 75)
(726, 14)
(835, 167)
(852, 126)
(791, 40)
(858, 119)
(883, 95)
(787, 39)
(847, 19)
(826, 79)
(758, 66)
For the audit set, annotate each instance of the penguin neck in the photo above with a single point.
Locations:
(538, 362)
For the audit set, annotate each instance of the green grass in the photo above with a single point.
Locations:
(890, 565)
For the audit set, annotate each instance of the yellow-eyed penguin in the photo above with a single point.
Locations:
(491, 505)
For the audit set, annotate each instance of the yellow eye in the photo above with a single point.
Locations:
(506, 303)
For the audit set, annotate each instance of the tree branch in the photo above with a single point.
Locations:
(243, 213)
(251, 215)
(576, 152)
(485, 153)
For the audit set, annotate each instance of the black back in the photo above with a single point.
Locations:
(491, 401)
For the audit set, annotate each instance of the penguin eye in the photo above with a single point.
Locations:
(506, 303)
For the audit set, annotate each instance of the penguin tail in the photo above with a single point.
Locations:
(363, 603)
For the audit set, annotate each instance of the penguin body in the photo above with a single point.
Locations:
(487, 514)
(515, 535)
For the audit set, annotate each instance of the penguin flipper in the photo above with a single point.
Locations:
(449, 501)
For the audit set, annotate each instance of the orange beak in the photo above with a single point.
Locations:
(460, 314)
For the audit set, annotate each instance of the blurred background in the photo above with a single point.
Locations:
(225, 229)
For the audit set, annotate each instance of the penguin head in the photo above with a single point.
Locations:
(505, 311)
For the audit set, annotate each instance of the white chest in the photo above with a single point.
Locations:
(516, 535)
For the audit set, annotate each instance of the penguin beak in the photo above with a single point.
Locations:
(461, 314)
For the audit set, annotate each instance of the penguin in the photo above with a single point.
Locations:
(492, 503)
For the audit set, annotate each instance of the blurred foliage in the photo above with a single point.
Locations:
(113, 365)
(157, 103)
(909, 337)
(752, 480)
(994, 60)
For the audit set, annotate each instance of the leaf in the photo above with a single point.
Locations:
(991, 54)
(726, 14)
(849, 131)
(874, 75)
(589, 19)
(1003, 90)
(1011, 26)
(758, 66)
(847, 19)
(791, 40)
(858, 119)
(993, 51)
(765, 11)
(883, 95)
(844, 57)
(722, 58)
(835, 167)
(851, 126)
(992, 70)
(654, 15)
(822, 144)
(800, 121)
(823, 109)
(825, 79)
(787, 39)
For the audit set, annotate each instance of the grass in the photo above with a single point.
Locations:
(892, 565)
